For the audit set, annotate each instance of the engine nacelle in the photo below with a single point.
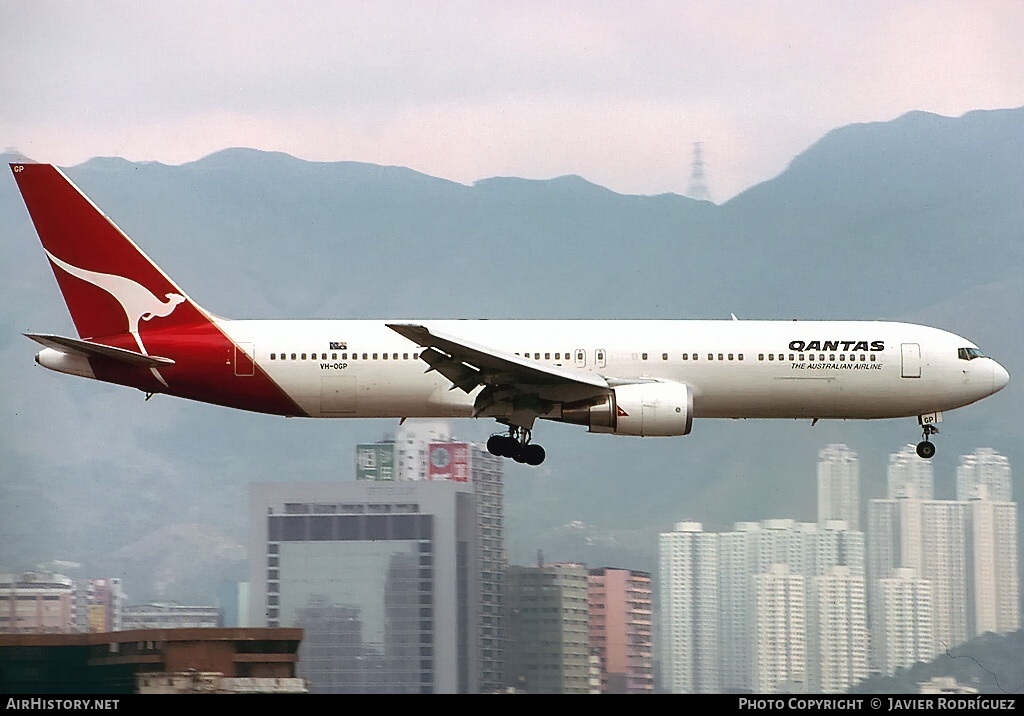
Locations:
(644, 409)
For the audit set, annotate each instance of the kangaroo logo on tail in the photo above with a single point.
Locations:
(138, 302)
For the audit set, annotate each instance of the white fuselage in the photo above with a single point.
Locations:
(736, 369)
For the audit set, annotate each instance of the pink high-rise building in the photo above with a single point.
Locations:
(620, 629)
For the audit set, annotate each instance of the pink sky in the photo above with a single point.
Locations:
(612, 91)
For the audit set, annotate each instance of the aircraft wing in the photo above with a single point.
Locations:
(468, 365)
(89, 349)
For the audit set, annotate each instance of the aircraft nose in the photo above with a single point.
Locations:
(999, 377)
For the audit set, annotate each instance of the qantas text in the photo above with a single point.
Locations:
(847, 346)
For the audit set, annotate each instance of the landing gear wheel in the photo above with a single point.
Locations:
(517, 446)
(496, 445)
(534, 454)
(520, 453)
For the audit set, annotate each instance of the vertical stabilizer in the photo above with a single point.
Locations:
(110, 286)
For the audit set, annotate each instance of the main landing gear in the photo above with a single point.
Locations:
(517, 446)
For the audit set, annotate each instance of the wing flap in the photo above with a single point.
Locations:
(468, 364)
(89, 349)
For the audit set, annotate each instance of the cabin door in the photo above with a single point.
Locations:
(911, 360)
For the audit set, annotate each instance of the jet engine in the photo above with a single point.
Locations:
(644, 409)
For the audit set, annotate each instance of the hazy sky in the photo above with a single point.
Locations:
(616, 92)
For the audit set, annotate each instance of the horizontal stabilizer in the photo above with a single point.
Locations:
(89, 349)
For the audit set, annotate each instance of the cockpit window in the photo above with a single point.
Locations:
(970, 353)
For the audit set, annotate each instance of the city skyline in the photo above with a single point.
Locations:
(796, 606)
(776, 605)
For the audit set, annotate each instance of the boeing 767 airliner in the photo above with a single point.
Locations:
(137, 328)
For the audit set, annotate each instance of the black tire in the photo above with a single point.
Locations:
(925, 449)
(534, 454)
(515, 451)
(496, 445)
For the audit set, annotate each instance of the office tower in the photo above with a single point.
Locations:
(839, 486)
(966, 548)
(376, 461)
(406, 456)
(689, 609)
(807, 549)
(837, 630)
(99, 605)
(930, 538)
(548, 649)
(993, 594)
(905, 635)
(984, 467)
(233, 604)
(619, 604)
(36, 603)
(383, 577)
(425, 450)
(487, 479)
(412, 447)
(738, 563)
(780, 631)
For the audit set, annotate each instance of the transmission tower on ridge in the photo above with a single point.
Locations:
(698, 181)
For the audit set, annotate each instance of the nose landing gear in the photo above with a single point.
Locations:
(517, 446)
(925, 448)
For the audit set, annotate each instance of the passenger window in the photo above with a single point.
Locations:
(686, 356)
(863, 357)
(645, 356)
(344, 356)
(536, 356)
(711, 356)
(293, 356)
(842, 357)
(792, 357)
(832, 357)
(821, 356)
(664, 356)
(872, 357)
(760, 356)
(558, 356)
(375, 356)
(415, 356)
(810, 356)
(771, 356)
(303, 356)
(334, 356)
(385, 356)
(730, 356)
(740, 356)
(720, 357)
(355, 356)
(405, 356)
(547, 356)
(272, 356)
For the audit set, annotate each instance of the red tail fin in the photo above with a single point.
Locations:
(109, 285)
